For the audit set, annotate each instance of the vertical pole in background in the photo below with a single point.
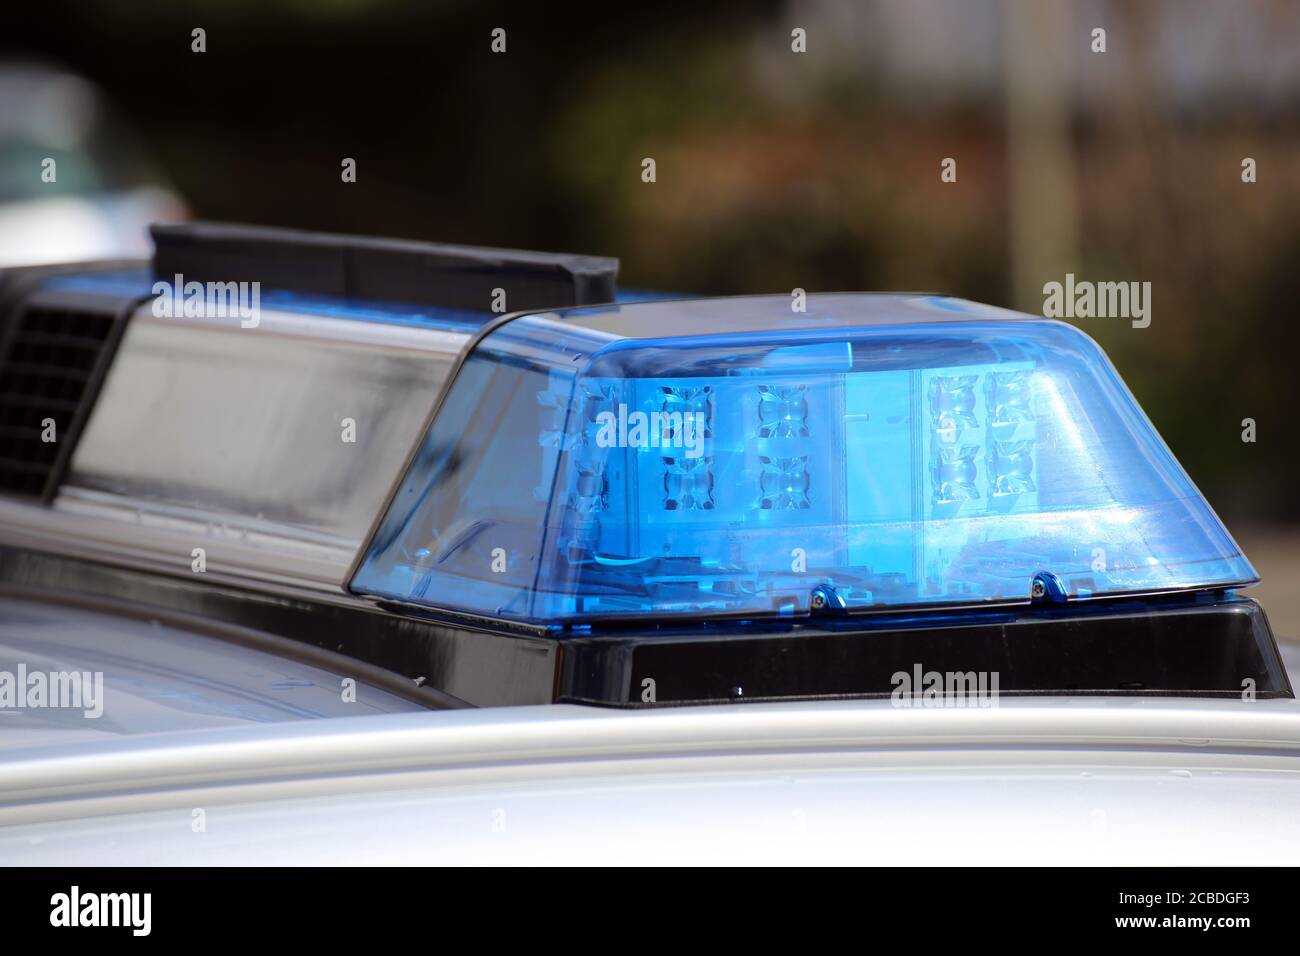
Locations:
(1037, 62)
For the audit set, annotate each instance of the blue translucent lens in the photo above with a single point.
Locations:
(729, 456)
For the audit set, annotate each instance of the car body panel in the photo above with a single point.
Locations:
(1028, 781)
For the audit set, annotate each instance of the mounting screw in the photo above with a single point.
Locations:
(1047, 587)
(824, 600)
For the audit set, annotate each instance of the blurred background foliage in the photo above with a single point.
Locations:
(776, 170)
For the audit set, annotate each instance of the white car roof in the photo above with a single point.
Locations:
(1032, 780)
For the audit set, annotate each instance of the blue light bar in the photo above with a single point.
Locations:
(732, 457)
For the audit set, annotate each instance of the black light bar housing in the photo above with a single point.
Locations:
(387, 270)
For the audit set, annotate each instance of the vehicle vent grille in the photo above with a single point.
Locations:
(51, 361)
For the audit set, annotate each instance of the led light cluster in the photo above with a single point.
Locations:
(953, 457)
(590, 486)
(783, 479)
(1011, 415)
(982, 436)
(782, 411)
(688, 482)
(784, 483)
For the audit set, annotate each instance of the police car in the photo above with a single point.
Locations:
(330, 549)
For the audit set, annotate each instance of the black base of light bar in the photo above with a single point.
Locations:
(1215, 645)
(1203, 645)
